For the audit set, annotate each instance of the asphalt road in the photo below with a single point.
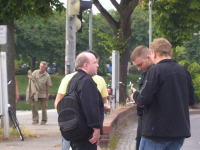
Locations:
(49, 136)
(193, 143)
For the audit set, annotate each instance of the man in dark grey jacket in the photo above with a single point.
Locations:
(166, 93)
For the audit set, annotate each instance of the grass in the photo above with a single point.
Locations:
(22, 81)
(22, 105)
(27, 133)
(113, 142)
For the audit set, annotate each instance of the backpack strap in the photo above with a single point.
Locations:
(72, 85)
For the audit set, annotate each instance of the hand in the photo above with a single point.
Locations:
(29, 76)
(17, 96)
(133, 89)
(131, 98)
(106, 107)
(96, 136)
(47, 97)
(142, 106)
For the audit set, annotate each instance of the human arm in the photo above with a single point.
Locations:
(48, 92)
(57, 100)
(91, 102)
(16, 89)
(95, 137)
(106, 105)
(150, 86)
(104, 94)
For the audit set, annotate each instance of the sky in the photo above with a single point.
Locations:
(105, 3)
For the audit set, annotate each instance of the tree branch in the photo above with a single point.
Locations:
(129, 6)
(113, 23)
(117, 6)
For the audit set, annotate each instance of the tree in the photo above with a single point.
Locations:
(192, 49)
(40, 40)
(140, 28)
(45, 40)
(13, 10)
(125, 9)
(176, 20)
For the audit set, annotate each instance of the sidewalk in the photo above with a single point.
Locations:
(49, 136)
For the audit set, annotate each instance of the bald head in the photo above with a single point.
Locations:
(87, 62)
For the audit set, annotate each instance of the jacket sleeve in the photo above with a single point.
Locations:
(89, 98)
(147, 92)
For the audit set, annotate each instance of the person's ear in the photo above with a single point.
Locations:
(154, 54)
(148, 57)
(85, 65)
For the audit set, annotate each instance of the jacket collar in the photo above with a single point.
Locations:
(166, 60)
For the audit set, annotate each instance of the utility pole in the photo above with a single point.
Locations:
(73, 24)
(150, 22)
(70, 44)
(90, 29)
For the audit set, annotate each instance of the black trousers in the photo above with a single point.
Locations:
(139, 130)
(82, 145)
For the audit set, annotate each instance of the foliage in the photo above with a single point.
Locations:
(176, 20)
(44, 40)
(192, 49)
(193, 68)
(12, 10)
(113, 42)
(15, 9)
(113, 142)
(21, 67)
(82, 41)
(140, 28)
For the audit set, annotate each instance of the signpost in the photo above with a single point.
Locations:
(3, 80)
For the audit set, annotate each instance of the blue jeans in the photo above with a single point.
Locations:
(65, 144)
(147, 144)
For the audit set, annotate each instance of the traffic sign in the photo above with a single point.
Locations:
(3, 34)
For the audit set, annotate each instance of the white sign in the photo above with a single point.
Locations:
(3, 34)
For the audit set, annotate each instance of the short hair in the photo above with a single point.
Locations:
(94, 53)
(162, 47)
(44, 63)
(81, 59)
(140, 51)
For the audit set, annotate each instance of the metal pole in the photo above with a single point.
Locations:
(70, 45)
(115, 78)
(4, 92)
(90, 29)
(150, 22)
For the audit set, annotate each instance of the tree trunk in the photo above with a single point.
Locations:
(124, 58)
(11, 64)
(33, 60)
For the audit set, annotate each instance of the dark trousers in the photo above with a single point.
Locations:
(139, 130)
(82, 145)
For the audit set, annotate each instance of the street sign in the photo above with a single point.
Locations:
(3, 34)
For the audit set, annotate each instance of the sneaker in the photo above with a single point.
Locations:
(43, 123)
(35, 122)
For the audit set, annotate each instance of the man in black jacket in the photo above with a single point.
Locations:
(90, 100)
(141, 58)
(166, 93)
